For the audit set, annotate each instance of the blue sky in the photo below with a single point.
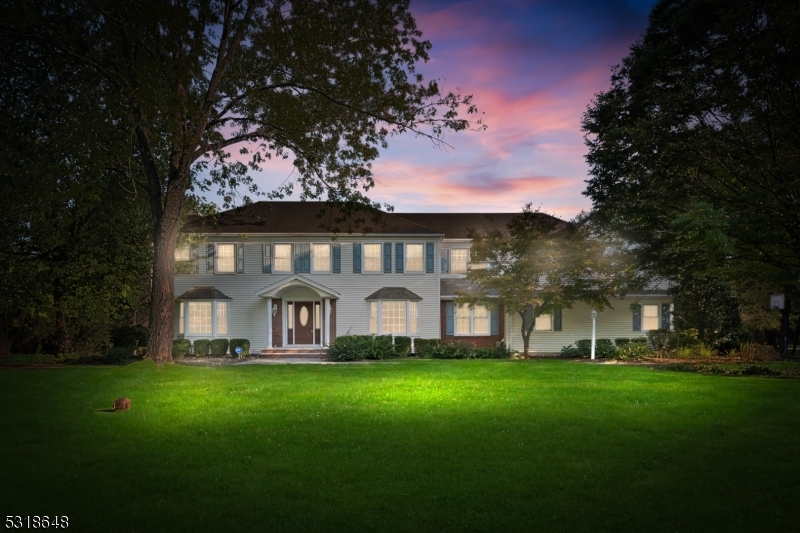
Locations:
(533, 68)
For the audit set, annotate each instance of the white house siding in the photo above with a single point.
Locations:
(248, 312)
(577, 324)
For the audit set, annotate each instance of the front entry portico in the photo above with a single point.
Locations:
(305, 312)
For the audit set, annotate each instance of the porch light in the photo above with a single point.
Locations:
(274, 309)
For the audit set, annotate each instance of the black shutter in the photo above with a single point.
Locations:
(449, 318)
(210, 258)
(398, 258)
(267, 258)
(337, 257)
(529, 319)
(306, 257)
(357, 258)
(429, 257)
(298, 258)
(387, 258)
(240, 258)
(637, 318)
(494, 319)
(557, 320)
(665, 316)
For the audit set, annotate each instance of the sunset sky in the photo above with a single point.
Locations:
(533, 67)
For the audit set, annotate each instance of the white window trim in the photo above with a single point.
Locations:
(466, 267)
(471, 322)
(181, 250)
(184, 310)
(552, 322)
(405, 259)
(657, 317)
(379, 306)
(330, 258)
(275, 258)
(216, 258)
(364, 258)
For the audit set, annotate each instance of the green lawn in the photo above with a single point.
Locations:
(401, 446)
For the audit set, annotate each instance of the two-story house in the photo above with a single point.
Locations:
(276, 275)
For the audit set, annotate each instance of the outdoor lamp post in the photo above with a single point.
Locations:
(594, 317)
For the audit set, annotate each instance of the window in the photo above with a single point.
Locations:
(372, 257)
(414, 257)
(458, 261)
(393, 318)
(472, 321)
(283, 258)
(543, 323)
(226, 258)
(373, 318)
(182, 254)
(650, 317)
(203, 318)
(222, 318)
(200, 318)
(322, 257)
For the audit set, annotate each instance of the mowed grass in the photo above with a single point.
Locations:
(401, 446)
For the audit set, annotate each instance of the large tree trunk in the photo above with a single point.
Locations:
(162, 292)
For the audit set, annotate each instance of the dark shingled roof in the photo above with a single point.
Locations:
(203, 293)
(304, 217)
(393, 293)
(299, 217)
(449, 287)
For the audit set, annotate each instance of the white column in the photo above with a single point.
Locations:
(327, 333)
(269, 322)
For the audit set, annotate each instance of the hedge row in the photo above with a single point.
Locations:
(206, 347)
(621, 348)
(358, 347)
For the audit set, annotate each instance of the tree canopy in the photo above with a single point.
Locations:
(694, 149)
(538, 263)
(178, 86)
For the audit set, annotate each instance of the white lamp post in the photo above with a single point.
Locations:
(594, 316)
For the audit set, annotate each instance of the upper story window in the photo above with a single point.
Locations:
(372, 257)
(322, 257)
(414, 258)
(650, 318)
(472, 321)
(458, 261)
(283, 258)
(182, 254)
(226, 258)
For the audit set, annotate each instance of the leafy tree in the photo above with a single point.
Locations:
(708, 305)
(324, 81)
(537, 263)
(694, 148)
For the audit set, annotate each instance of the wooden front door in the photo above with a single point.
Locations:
(303, 323)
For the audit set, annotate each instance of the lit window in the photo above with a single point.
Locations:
(373, 318)
(199, 318)
(413, 315)
(182, 254)
(649, 317)
(458, 261)
(372, 258)
(413, 258)
(322, 257)
(283, 258)
(182, 318)
(222, 318)
(543, 323)
(481, 320)
(393, 318)
(462, 320)
(226, 258)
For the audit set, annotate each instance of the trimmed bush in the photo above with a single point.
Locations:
(603, 348)
(380, 347)
(422, 347)
(498, 352)
(751, 351)
(622, 341)
(219, 347)
(632, 351)
(243, 343)
(349, 347)
(201, 347)
(181, 347)
(402, 346)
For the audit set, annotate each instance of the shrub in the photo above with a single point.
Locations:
(402, 346)
(498, 352)
(201, 347)
(422, 347)
(236, 343)
(632, 351)
(639, 340)
(622, 341)
(219, 347)
(380, 347)
(571, 351)
(583, 348)
(751, 351)
(119, 354)
(661, 339)
(181, 347)
(129, 336)
(348, 348)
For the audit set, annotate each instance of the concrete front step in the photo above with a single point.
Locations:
(288, 353)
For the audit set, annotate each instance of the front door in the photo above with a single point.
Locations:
(303, 323)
